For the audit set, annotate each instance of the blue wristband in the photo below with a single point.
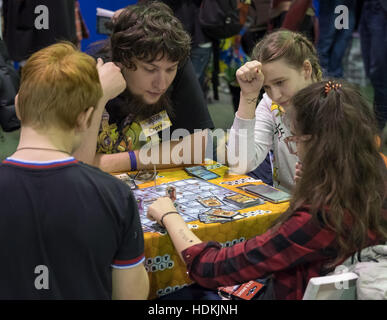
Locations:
(133, 161)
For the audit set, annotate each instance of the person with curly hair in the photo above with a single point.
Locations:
(150, 45)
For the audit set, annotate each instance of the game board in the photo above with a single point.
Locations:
(191, 197)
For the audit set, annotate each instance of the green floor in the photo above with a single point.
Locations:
(221, 112)
(8, 143)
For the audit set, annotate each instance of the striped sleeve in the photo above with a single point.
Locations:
(127, 264)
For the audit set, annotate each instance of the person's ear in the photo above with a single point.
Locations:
(84, 119)
(17, 106)
(307, 69)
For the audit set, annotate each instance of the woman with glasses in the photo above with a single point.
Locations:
(283, 63)
(336, 207)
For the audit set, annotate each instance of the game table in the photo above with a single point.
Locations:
(167, 272)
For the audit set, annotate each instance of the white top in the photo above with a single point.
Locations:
(251, 139)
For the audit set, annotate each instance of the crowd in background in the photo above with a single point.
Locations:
(355, 52)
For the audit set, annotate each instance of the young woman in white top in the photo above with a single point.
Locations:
(283, 63)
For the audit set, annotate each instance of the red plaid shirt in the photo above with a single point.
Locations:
(294, 253)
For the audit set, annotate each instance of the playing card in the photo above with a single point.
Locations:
(218, 212)
(204, 218)
(210, 202)
(243, 201)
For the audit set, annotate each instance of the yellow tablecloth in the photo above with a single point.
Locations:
(167, 272)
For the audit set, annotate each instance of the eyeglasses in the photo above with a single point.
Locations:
(291, 142)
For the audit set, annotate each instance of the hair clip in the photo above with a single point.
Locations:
(332, 85)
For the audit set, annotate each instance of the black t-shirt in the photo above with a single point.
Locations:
(189, 112)
(21, 34)
(187, 11)
(188, 103)
(63, 226)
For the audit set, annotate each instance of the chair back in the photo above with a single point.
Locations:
(333, 287)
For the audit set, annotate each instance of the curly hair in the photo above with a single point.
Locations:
(148, 31)
(294, 47)
(344, 177)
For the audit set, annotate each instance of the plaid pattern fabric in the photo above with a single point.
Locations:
(294, 253)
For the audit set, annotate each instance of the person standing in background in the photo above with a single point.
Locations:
(187, 11)
(373, 37)
(333, 42)
(34, 24)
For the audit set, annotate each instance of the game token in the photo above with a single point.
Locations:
(171, 192)
(140, 205)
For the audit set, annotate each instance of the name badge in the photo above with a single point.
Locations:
(155, 123)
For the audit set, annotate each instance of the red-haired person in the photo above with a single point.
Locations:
(162, 93)
(68, 230)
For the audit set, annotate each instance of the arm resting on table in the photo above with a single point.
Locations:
(167, 154)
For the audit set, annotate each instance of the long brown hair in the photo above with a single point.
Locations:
(344, 176)
(294, 47)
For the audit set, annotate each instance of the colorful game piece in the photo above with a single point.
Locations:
(140, 205)
(171, 192)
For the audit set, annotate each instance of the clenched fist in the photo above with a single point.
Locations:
(250, 78)
(112, 81)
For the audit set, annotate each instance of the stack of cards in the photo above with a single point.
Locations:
(218, 215)
(210, 202)
(242, 201)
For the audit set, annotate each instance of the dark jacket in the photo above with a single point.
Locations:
(21, 35)
(187, 11)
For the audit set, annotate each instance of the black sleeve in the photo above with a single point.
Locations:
(131, 250)
(21, 35)
(189, 104)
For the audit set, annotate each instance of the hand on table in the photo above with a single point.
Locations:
(111, 78)
(158, 208)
